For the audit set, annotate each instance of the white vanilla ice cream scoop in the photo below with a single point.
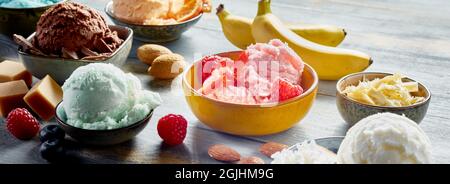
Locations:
(101, 97)
(385, 138)
(307, 152)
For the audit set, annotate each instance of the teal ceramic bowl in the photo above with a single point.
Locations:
(100, 137)
(353, 111)
(21, 21)
(154, 33)
(60, 69)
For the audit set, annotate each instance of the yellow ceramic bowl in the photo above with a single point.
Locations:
(252, 120)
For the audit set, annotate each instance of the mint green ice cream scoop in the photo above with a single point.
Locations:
(102, 97)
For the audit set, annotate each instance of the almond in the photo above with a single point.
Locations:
(149, 52)
(223, 153)
(167, 66)
(270, 148)
(251, 160)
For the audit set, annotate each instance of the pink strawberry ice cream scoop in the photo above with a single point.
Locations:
(264, 73)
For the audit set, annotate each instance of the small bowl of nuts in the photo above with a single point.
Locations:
(164, 64)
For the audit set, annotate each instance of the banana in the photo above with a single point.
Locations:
(238, 30)
(330, 63)
(322, 34)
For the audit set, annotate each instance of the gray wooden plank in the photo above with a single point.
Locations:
(405, 29)
(410, 37)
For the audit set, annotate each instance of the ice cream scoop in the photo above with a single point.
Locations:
(385, 138)
(307, 152)
(141, 11)
(264, 73)
(101, 96)
(72, 30)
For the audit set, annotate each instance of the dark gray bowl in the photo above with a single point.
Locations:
(353, 111)
(21, 21)
(330, 143)
(101, 137)
(154, 33)
(60, 69)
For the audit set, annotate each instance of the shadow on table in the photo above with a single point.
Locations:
(179, 154)
(81, 153)
(8, 49)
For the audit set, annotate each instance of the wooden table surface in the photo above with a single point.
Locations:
(411, 37)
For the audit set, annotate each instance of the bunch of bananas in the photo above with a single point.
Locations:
(315, 44)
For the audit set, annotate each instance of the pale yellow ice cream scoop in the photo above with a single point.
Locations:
(141, 11)
(385, 138)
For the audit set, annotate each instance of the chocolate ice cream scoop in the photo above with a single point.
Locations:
(72, 30)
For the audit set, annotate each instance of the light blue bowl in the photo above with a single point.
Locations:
(60, 68)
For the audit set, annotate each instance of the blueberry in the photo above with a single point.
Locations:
(52, 150)
(51, 132)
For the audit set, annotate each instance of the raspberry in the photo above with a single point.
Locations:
(243, 56)
(172, 129)
(288, 90)
(21, 124)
